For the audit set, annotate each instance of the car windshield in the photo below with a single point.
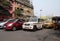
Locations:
(4, 20)
(11, 21)
(33, 19)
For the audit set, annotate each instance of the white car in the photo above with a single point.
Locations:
(33, 24)
(3, 22)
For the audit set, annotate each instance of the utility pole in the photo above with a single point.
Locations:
(40, 13)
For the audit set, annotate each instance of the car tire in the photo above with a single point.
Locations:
(43, 26)
(55, 28)
(34, 27)
(14, 28)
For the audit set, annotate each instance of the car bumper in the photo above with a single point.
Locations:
(7, 28)
(1, 26)
(27, 27)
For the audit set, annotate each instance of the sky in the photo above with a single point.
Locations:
(46, 7)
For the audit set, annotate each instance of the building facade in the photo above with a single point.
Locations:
(25, 6)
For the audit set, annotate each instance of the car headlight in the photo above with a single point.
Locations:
(10, 25)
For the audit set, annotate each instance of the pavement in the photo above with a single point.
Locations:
(39, 35)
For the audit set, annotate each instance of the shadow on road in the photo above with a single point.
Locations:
(31, 30)
(12, 30)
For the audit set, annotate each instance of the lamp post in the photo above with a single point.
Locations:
(40, 13)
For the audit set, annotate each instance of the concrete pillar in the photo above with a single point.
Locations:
(12, 8)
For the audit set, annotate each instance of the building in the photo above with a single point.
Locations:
(25, 6)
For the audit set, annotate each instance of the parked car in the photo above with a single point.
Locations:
(3, 22)
(33, 24)
(14, 24)
(48, 24)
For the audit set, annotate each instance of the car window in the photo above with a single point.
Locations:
(18, 20)
(33, 20)
(4, 20)
(11, 20)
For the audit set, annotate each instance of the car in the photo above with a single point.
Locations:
(13, 24)
(3, 22)
(48, 24)
(32, 24)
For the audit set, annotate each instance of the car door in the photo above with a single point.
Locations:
(20, 22)
(17, 24)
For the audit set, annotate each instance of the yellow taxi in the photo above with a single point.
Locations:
(47, 24)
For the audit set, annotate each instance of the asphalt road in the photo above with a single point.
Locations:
(39, 35)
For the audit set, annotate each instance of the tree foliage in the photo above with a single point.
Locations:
(18, 12)
(5, 3)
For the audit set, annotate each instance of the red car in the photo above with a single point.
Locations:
(14, 24)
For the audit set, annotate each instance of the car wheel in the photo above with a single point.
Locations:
(34, 27)
(55, 28)
(41, 27)
(14, 29)
(45, 27)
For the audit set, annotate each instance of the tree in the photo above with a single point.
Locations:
(18, 12)
(5, 3)
(4, 7)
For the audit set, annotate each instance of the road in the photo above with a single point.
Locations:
(39, 35)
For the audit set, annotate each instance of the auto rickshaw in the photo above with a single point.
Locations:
(56, 22)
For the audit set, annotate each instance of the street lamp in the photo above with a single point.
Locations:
(40, 13)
